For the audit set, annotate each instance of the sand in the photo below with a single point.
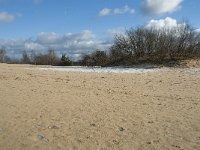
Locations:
(130, 111)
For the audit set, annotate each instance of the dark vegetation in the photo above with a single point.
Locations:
(158, 46)
(49, 58)
(137, 46)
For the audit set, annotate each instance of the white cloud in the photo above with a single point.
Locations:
(105, 12)
(197, 30)
(85, 35)
(116, 11)
(166, 23)
(159, 7)
(6, 17)
(125, 9)
(32, 46)
(73, 44)
(48, 38)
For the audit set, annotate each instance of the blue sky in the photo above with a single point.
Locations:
(75, 27)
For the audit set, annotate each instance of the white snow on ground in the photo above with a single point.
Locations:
(193, 71)
(98, 69)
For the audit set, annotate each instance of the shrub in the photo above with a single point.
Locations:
(65, 60)
(97, 58)
(155, 46)
(45, 59)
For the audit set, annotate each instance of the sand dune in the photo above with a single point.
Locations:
(74, 110)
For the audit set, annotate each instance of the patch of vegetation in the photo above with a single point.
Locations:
(137, 46)
(155, 46)
(65, 60)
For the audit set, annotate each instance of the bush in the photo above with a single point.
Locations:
(97, 58)
(155, 46)
(46, 59)
(65, 60)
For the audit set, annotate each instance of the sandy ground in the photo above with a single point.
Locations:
(63, 110)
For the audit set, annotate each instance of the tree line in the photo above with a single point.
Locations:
(49, 58)
(149, 45)
(137, 45)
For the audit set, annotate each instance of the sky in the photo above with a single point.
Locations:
(75, 27)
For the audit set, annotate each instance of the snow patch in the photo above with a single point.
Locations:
(98, 69)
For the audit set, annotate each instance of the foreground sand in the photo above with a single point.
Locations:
(62, 110)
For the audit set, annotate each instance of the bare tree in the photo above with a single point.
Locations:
(51, 57)
(157, 46)
(25, 58)
(2, 55)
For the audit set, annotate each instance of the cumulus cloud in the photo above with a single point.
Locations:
(49, 38)
(54, 38)
(73, 44)
(85, 35)
(125, 9)
(116, 11)
(32, 46)
(159, 7)
(166, 23)
(105, 12)
(6, 17)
